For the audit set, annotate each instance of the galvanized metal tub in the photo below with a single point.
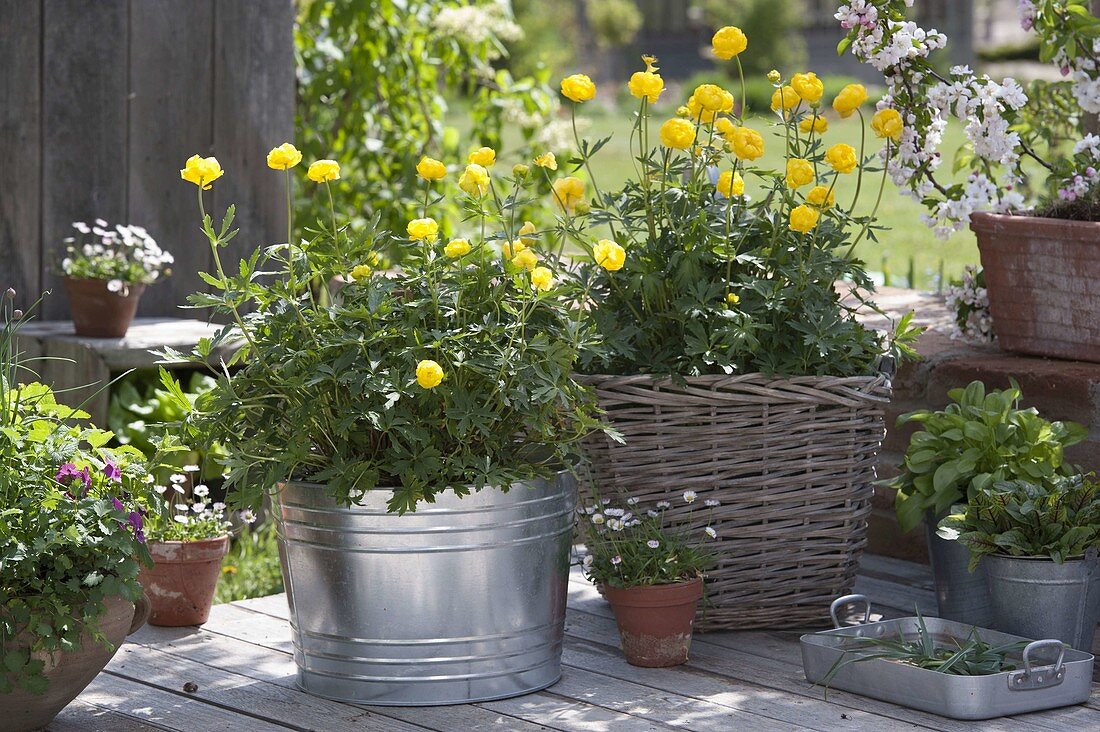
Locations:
(961, 595)
(1035, 597)
(461, 601)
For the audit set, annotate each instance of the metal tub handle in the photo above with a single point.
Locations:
(1039, 677)
(850, 600)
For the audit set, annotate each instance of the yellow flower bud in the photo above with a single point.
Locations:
(849, 100)
(646, 85)
(547, 160)
(729, 42)
(683, 111)
(733, 299)
(730, 184)
(430, 168)
(842, 158)
(519, 170)
(609, 255)
(483, 156)
(201, 171)
(525, 232)
(799, 172)
(677, 133)
(774, 76)
(429, 374)
(582, 207)
(821, 197)
(323, 171)
(474, 180)
(542, 278)
(512, 248)
(803, 218)
(283, 157)
(420, 229)
(456, 248)
(578, 88)
(887, 124)
(808, 87)
(361, 272)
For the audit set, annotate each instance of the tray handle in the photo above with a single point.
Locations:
(850, 600)
(1039, 677)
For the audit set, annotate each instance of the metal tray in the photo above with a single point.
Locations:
(1053, 674)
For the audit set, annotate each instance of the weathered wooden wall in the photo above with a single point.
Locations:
(102, 101)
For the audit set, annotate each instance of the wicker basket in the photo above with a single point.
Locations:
(791, 461)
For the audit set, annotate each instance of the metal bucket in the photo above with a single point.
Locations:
(961, 595)
(461, 601)
(1036, 598)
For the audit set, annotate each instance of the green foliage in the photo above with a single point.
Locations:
(979, 440)
(71, 519)
(372, 75)
(329, 390)
(251, 569)
(614, 23)
(774, 29)
(1057, 518)
(628, 550)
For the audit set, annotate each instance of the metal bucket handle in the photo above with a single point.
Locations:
(849, 600)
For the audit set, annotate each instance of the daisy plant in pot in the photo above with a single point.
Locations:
(724, 296)
(72, 541)
(1031, 192)
(415, 427)
(106, 270)
(650, 571)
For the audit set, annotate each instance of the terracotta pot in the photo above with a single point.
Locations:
(181, 583)
(69, 672)
(99, 313)
(1041, 275)
(655, 621)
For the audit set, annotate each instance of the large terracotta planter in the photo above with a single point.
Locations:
(655, 621)
(70, 671)
(1041, 275)
(99, 313)
(181, 583)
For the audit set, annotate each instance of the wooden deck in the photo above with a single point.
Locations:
(236, 673)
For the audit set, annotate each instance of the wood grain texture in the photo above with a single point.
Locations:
(20, 127)
(171, 119)
(84, 125)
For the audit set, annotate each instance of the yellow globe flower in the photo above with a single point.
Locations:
(821, 197)
(808, 86)
(730, 184)
(526, 259)
(474, 180)
(547, 160)
(430, 168)
(887, 123)
(361, 272)
(849, 100)
(707, 102)
(747, 144)
(799, 172)
(677, 133)
(646, 85)
(201, 171)
(542, 278)
(323, 171)
(803, 218)
(814, 123)
(728, 42)
(483, 156)
(284, 157)
(456, 248)
(724, 126)
(842, 158)
(429, 374)
(609, 255)
(525, 232)
(785, 98)
(578, 88)
(568, 192)
(733, 299)
(420, 229)
(512, 248)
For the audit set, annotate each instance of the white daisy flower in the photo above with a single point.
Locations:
(653, 544)
(710, 532)
(690, 496)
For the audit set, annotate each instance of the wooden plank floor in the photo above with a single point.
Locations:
(242, 674)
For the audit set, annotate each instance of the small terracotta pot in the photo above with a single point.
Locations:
(655, 621)
(68, 672)
(182, 581)
(99, 313)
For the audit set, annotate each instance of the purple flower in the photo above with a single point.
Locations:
(112, 471)
(118, 504)
(68, 472)
(137, 522)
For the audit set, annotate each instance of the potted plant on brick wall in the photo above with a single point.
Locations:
(416, 430)
(1032, 195)
(71, 543)
(1038, 540)
(650, 572)
(980, 440)
(728, 360)
(106, 270)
